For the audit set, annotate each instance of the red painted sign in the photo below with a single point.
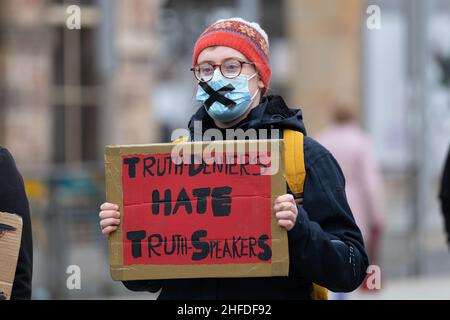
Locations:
(197, 213)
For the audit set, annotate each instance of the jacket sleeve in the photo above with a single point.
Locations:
(326, 246)
(143, 285)
(14, 200)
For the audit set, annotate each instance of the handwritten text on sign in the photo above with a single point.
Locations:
(195, 213)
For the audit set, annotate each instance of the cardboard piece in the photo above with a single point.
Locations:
(10, 238)
(198, 220)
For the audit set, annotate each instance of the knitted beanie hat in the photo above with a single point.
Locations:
(246, 37)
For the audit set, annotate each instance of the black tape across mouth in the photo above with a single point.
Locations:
(218, 96)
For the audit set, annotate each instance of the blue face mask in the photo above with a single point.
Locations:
(225, 99)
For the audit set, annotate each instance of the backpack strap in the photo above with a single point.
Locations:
(295, 174)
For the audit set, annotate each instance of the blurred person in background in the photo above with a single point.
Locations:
(353, 151)
(232, 68)
(445, 196)
(13, 199)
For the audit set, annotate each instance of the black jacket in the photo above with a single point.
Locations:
(325, 246)
(445, 196)
(14, 200)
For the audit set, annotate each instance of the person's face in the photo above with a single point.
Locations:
(216, 55)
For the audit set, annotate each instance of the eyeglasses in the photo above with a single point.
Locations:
(230, 69)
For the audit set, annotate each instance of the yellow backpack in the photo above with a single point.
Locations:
(295, 174)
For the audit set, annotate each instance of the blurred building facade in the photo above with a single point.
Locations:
(325, 57)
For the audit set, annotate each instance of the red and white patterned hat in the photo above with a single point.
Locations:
(246, 37)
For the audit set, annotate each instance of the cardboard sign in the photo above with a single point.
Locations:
(200, 219)
(10, 238)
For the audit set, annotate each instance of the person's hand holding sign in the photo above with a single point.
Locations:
(109, 217)
(286, 211)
